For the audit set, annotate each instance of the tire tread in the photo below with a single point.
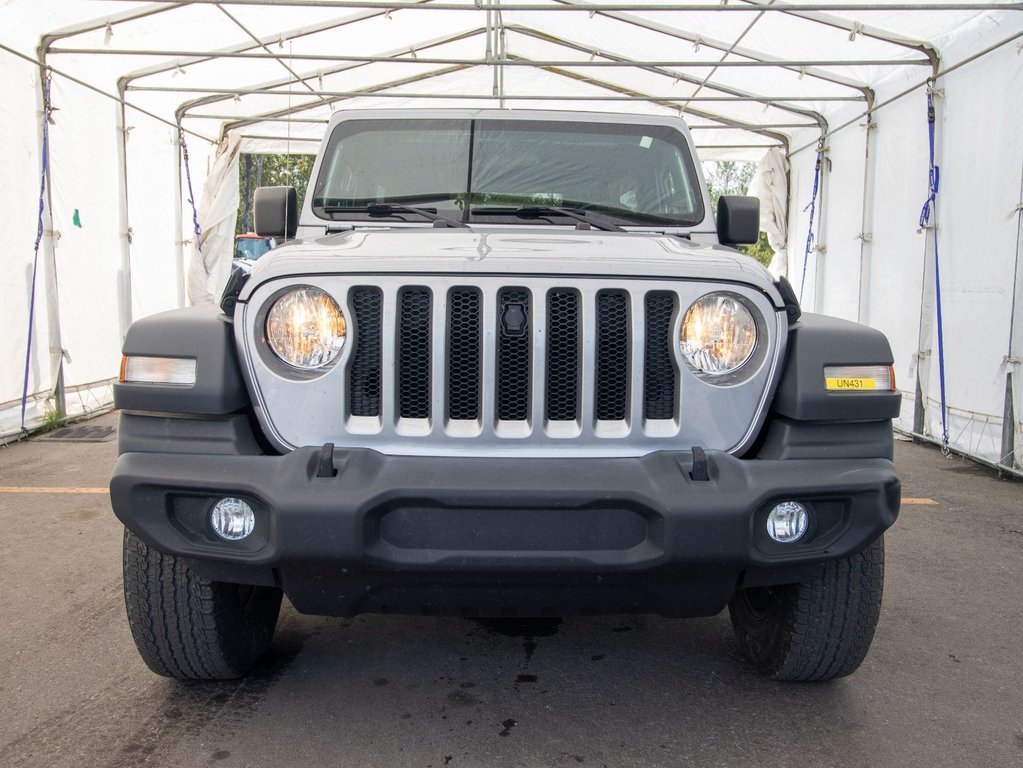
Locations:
(821, 628)
(189, 627)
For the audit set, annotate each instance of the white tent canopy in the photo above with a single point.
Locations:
(839, 92)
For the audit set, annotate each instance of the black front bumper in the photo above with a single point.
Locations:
(504, 536)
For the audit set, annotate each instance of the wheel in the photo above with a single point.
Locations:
(189, 627)
(815, 630)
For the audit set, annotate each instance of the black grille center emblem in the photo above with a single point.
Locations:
(513, 319)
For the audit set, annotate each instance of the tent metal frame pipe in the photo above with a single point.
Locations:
(228, 127)
(643, 7)
(100, 91)
(1014, 358)
(780, 137)
(112, 20)
(494, 62)
(925, 342)
(325, 120)
(278, 59)
(696, 39)
(724, 121)
(179, 214)
(56, 346)
(921, 438)
(768, 100)
(820, 243)
(731, 49)
(291, 34)
(301, 139)
(866, 223)
(310, 140)
(524, 30)
(854, 27)
(913, 88)
(666, 73)
(730, 122)
(240, 121)
(124, 225)
(739, 146)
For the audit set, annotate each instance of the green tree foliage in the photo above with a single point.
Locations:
(729, 177)
(269, 171)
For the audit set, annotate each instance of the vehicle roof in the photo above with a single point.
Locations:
(549, 115)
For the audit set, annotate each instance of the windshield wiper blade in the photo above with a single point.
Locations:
(391, 209)
(537, 211)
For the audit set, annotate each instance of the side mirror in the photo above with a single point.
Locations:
(275, 212)
(738, 220)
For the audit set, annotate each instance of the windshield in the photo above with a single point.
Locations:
(470, 169)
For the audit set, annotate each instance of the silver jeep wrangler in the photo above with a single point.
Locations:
(504, 364)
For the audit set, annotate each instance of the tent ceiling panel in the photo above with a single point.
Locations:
(818, 38)
(535, 45)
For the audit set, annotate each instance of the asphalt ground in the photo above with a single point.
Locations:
(942, 685)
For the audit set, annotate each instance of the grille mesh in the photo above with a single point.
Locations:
(612, 380)
(659, 382)
(364, 389)
(513, 359)
(612, 386)
(464, 353)
(562, 355)
(414, 354)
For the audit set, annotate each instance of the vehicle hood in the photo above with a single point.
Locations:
(510, 251)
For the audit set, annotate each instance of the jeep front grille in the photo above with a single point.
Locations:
(514, 384)
(442, 364)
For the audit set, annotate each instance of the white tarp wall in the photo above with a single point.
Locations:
(129, 252)
(888, 282)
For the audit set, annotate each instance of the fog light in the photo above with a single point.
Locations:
(787, 522)
(232, 519)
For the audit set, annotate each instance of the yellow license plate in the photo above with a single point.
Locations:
(845, 384)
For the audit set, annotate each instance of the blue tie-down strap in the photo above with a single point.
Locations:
(933, 181)
(812, 207)
(191, 194)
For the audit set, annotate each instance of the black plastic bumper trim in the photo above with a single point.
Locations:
(418, 520)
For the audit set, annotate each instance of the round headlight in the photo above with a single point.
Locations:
(306, 328)
(718, 334)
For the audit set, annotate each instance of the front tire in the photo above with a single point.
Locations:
(189, 627)
(818, 629)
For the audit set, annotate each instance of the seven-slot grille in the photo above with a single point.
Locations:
(555, 356)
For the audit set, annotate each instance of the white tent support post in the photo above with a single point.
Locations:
(1014, 360)
(866, 223)
(51, 292)
(124, 277)
(926, 344)
(179, 214)
(820, 240)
